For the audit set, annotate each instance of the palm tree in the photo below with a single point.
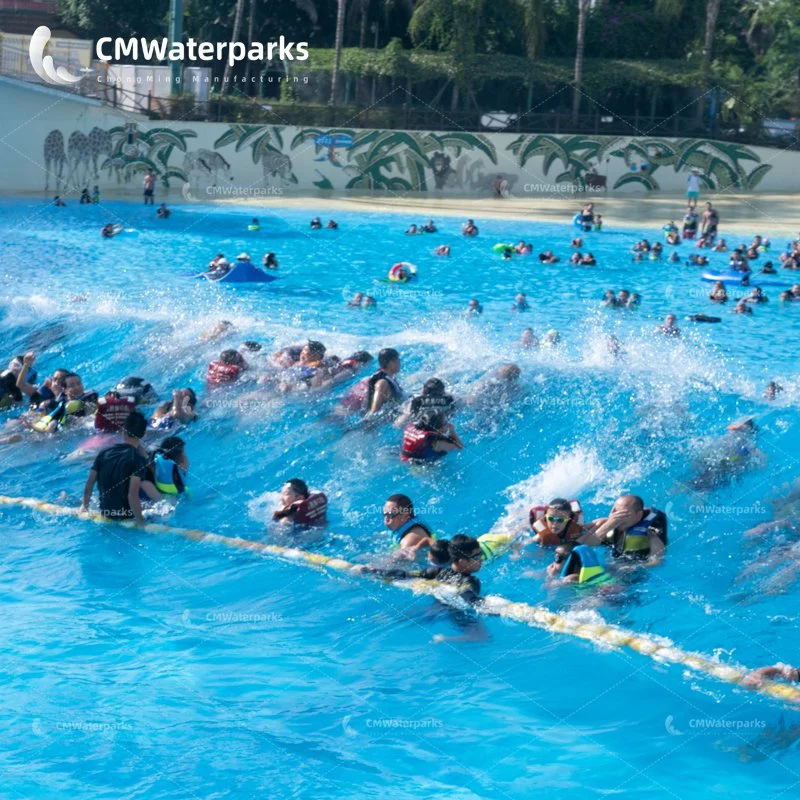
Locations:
(580, 44)
(237, 24)
(337, 58)
(712, 13)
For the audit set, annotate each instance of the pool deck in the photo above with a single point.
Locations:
(744, 214)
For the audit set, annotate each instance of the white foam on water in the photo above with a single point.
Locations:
(570, 473)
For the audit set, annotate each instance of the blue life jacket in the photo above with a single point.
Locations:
(170, 478)
(636, 540)
(583, 560)
(406, 527)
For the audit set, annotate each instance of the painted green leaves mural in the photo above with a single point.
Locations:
(392, 160)
(135, 151)
(266, 147)
(722, 165)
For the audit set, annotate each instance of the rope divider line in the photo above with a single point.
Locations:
(491, 606)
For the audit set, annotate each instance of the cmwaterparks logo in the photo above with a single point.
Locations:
(108, 49)
(43, 65)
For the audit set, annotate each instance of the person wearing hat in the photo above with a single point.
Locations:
(693, 187)
(244, 258)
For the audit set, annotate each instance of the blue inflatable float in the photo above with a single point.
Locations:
(240, 272)
(741, 279)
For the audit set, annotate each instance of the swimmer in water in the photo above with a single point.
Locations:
(632, 530)
(720, 247)
(316, 224)
(58, 202)
(383, 391)
(577, 242)
(528, 340)
(551, 339)
(332, 225)
(474, 309)
(429, 227)
(412, 230)
(634, 301)
(719, 294)
(85, 198)
(222, 329)
(356, 301)
(674, 258)
(523, 248)
(548, 258)
(442, 250)
(520, 302)
(180, 410)
(669, 328)
(768, 269)
(269, 261)
(369, 302)
(429, 438)
(785, 297)
(742, 307)
(469, 228)
(757, 296)
(609, 300)
(299, 507)
(163, 212)
(772, 390)
(728, 458)
(434, 396)
(408, 531)
(496, 388)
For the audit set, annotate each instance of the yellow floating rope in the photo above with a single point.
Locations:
(493, 605)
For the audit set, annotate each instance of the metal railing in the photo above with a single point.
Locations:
(240, 109)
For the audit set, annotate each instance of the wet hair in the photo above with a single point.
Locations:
(560, 504)
(433, 387)
(192, 397)
(402, 501)
(430, 420)
(171, 447)
(251, 346)
(298, 486)
(135, 425)
(316, 347)
(462, 546)
(232, 357)
(386, 356)
(440, 551)
(361, 357)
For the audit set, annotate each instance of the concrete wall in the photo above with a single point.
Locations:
(57, 143)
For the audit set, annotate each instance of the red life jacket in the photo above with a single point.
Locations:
(418, 444)
(219, 373)
(356, 397)
(112, 411)
(312, 510)
(540, 525)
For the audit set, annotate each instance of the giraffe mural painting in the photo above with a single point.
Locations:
(54, 159)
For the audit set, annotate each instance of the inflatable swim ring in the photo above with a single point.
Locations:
(402, 272)
(500, 247)
(253, 228)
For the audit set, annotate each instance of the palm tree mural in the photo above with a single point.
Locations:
(396, 160)
(266, 146)
(577, 154)
(134, 151)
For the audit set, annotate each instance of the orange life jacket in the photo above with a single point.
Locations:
(547, 538)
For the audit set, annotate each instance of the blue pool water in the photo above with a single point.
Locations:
(142, 666)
